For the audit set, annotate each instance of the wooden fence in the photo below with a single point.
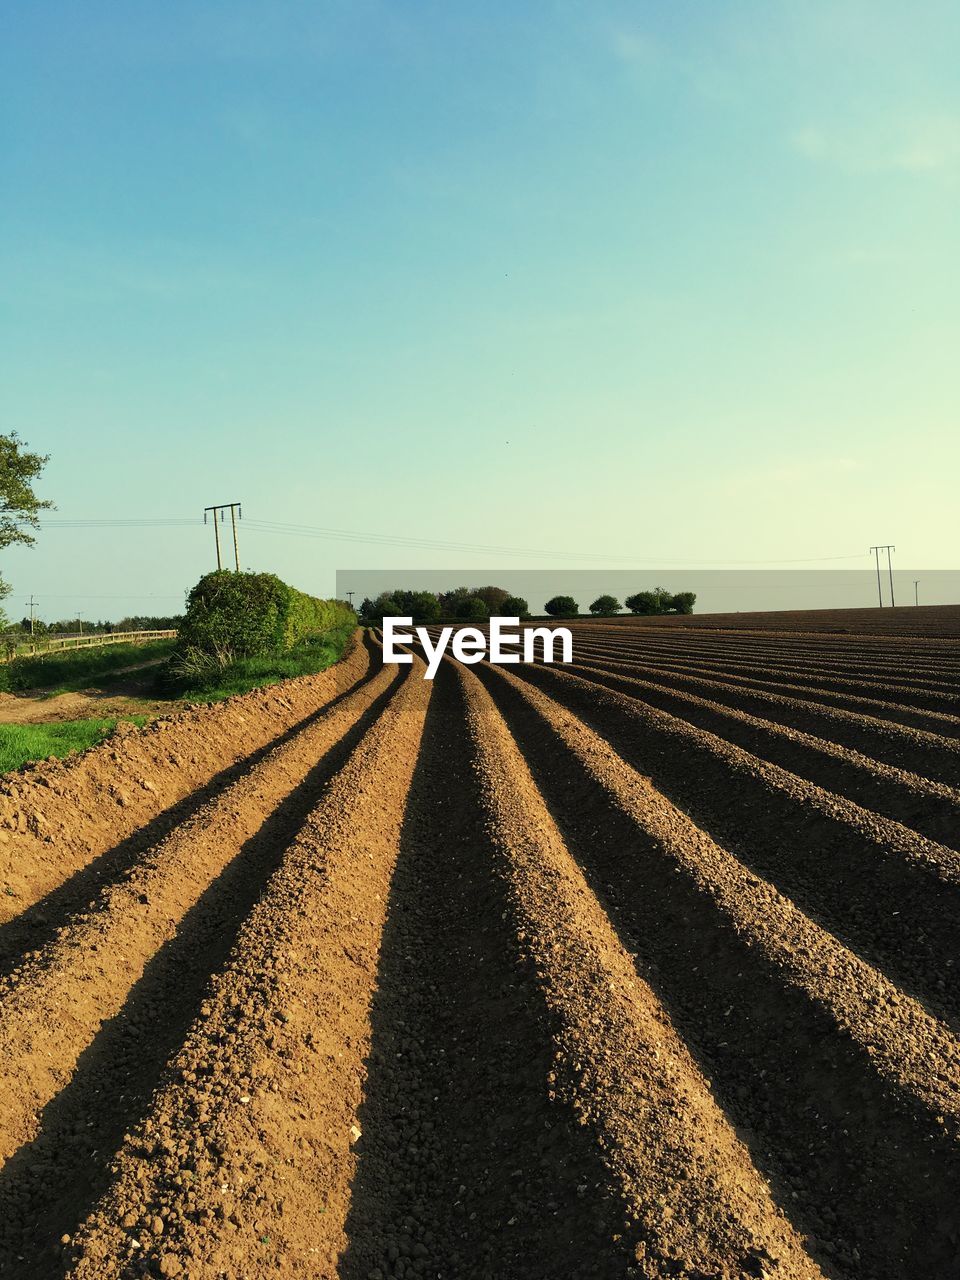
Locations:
(14, 647)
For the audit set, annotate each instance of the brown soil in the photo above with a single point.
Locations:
(931, 620)
(88, 705)
(126, 694)
(637, 968)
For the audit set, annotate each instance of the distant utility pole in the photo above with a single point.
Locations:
(32, 604)
(916, 591)
(350, 598)
(887, 547)
(235, 512)
(876, 551)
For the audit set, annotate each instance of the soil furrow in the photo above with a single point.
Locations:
(39, 924)
(56, 1001)
(861, 1134)
(243, 1165)
(888, 655)
(57, 816)
(887, 659)
(930, 808)
(943, 699)
(922, 753)
(642, 966)
(467, 1168)
(700, 1206)
(890, 894)
(947, 726)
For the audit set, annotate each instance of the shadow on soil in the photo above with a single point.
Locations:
(37, 926)
(894, 913)
(51, 1184)
(867, 1175)
(466, 1167)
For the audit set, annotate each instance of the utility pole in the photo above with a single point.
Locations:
(890, 571)
(876, 551)
(350, 598)
(233, 524)
(916, 591)
(32, 604)
(235, 512)
(887, 547)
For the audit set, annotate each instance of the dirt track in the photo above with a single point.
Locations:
(642, 967)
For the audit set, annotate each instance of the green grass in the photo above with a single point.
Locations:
(22, 742)
(74, 669)
(306, 659)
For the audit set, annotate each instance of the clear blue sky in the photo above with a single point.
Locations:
(669, 280)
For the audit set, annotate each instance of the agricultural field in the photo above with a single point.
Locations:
(638, 967)
(935, 620)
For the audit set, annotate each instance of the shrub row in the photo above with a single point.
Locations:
(231, 616)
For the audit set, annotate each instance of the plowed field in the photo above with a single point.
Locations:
(643, 966)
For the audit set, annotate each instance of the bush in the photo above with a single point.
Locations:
(514, 607)
(562, 607)
(231, 616)
(605, 606)
(660, 601)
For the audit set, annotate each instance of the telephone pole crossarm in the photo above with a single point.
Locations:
(219, 509)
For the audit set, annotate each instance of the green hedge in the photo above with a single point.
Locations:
(231, 616)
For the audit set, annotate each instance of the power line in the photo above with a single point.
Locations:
(109, 522)
(424, 544)
(121, 595)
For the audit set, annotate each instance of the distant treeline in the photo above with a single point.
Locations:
(476, 604)
(462, 604)
(72, 626)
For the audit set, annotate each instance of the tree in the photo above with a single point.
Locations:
(385, 606)
(424, 606)
(514, 607)
(683, 602)
(19, 505)
(473, 609)
(562, 607)
(605, 606)
(493, 597)
(660, 600)
(450, 600)
(643, 602)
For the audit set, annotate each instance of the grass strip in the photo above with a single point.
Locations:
(312, 656)
(20, 743)
(74, 669)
